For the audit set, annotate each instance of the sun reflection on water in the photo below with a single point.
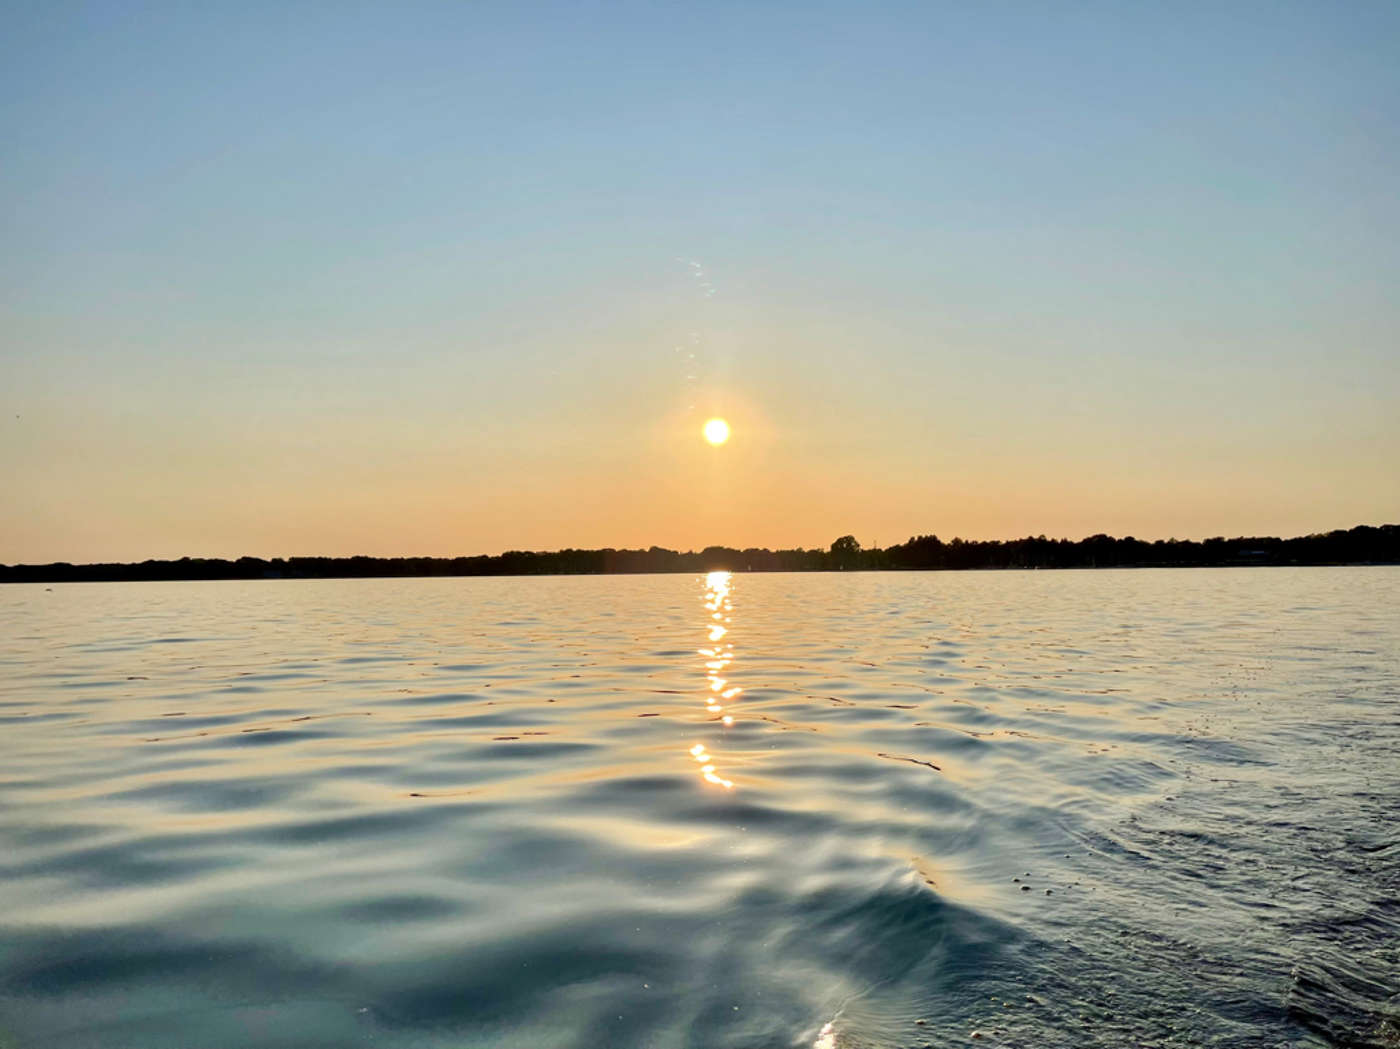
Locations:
(717, 660)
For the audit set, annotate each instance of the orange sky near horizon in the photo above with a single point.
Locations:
(797, 471)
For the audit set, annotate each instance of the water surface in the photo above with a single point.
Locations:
(868, 810)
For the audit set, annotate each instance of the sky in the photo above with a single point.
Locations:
(444, 279)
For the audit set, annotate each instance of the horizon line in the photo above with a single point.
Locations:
(711, 548)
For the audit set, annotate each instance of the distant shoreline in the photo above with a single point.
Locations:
(1364, 544)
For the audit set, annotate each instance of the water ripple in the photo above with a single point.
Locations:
(844, 812)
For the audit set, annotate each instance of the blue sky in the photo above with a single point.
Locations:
(316, 278)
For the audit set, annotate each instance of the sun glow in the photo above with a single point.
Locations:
(716, 431)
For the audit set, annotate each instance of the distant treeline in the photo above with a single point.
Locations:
(1361, 545)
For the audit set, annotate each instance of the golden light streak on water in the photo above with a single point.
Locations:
(716, 601)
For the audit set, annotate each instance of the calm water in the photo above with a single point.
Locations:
(874, 810)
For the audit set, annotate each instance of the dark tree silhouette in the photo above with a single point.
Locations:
(845, 552)
(1364, 544)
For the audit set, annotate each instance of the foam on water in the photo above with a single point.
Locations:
(1050, 808)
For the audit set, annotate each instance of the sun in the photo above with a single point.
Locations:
(716, 431)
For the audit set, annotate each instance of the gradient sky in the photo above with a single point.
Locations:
(304, 278)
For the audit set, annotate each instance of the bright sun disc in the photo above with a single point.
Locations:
(716, 431)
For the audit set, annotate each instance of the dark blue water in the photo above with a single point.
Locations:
(1030, 809)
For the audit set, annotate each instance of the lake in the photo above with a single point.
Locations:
(874, 810)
